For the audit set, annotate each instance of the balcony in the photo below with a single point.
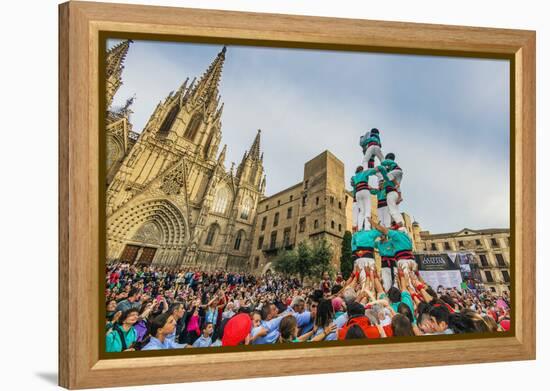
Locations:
(287, 245)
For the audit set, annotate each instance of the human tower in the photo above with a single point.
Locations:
(388, 235)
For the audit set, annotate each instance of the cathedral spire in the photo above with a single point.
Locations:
(114, 66)
(255, 148)
(207, 88)
(116, 56)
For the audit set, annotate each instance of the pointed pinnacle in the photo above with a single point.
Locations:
(255, 148)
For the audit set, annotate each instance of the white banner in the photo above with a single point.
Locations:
(445, 278)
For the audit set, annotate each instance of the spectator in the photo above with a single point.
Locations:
(161, 327)
(123, 335)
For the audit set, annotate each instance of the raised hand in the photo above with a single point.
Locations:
(116, 316)
(331, 328)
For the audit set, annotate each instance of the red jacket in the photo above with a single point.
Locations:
(370, 330)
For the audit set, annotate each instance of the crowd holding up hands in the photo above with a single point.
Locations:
(149, 308)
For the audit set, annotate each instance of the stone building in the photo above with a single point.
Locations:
(319, 207)
(170, 200)
(490, 246)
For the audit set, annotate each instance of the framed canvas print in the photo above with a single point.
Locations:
(274, 194)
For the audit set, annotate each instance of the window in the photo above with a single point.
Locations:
(483, 260)
(193, 127)
(302, 224)
(304, 200)
(260, 242)
(289, 213)
(461, 243)
(494, 242)
(286, 237)
(256, 262)
(278, 202)
(273, 242)
(221, 200)
(500, 260)
(339, 227)
(291, 197)
(447, 246)
(478, 242)
(267, 207)
(316, 200)
(169, 120)
(488, 276)
(434, 247)
(316, 224)
(210, 236)
(238, 240)
(331, 200)
(332, 224)
(505, 276)
(339, 204)
(276, 219)
(305, 184)
(264, 222)
(247, 206)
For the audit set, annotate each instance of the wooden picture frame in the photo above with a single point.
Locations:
(81, 23)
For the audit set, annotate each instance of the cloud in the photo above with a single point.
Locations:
(445, 118)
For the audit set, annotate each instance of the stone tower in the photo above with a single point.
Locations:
(114, 67)
(119, 135)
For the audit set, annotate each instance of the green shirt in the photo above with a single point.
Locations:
(389, 164)
(362, 239)
(113, 343)
(400, 240)
(381, 194)
(385, 248)
(372, 138)
(363, 176)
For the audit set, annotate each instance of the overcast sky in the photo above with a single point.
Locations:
(446, 119)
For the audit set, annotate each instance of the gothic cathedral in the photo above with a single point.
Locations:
(170, 200)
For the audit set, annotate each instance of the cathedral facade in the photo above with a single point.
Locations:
(169, 198)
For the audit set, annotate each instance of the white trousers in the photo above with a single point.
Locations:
(393, 209)
(363, 204)
(354, 213)
(362, 263)
(373, 150)
(387, 280)
(384, 216)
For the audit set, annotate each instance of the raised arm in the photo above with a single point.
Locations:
(378, 227)
(403, 280)
(382, 170)
(420, 287)
(377, 284)
(326, 331)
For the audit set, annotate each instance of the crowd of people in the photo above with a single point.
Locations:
(150, 307)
